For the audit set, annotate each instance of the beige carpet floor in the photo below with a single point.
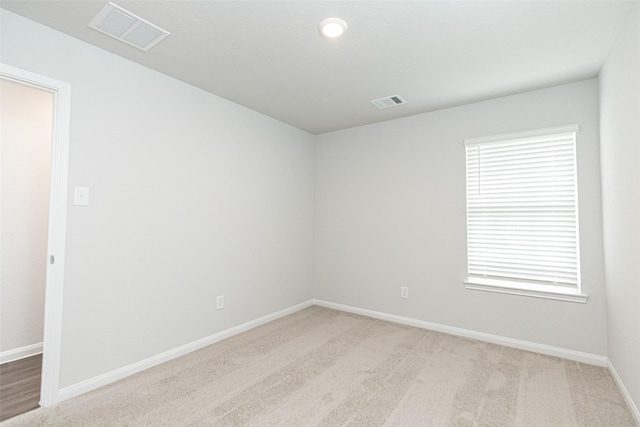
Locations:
(321, 367)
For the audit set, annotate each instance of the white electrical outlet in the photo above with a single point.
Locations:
(219, 302)
(404, 292)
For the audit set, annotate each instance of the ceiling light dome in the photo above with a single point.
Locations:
(332, 27)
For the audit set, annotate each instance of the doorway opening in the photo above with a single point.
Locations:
(60, 93)
(26, 114)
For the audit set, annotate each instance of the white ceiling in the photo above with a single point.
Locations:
(269, 56)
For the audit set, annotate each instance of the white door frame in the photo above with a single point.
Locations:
(49, 392)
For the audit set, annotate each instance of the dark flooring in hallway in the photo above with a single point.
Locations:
(20, 386)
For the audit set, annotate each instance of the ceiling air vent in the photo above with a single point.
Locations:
(123, 25)
(388, 101)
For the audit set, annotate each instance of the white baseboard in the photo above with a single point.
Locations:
(592, 359)
(20, 353)
(630, 403)
(125, 371)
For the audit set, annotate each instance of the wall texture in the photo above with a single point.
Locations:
(391, 212)
(620, 156)
(25, 132)
(192, 197)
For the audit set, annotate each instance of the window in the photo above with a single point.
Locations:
(522, 214)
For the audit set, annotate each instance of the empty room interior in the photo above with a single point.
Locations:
(408, 213)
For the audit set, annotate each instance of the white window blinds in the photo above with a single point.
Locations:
(522, 213)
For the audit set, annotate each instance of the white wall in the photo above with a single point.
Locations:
(620, 157)
(391, 212)
(192, 196)
(25, 132)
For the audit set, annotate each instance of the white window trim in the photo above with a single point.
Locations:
(523, 288)
(526, 289)
(524, 134)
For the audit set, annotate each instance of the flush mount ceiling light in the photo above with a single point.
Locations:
(332, 27)
(123, 25)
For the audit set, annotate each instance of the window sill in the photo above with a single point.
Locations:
(525, 289)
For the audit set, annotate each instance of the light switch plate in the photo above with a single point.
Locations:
(81, 196)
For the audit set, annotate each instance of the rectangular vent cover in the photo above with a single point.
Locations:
(123, 25)
(388, 101)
